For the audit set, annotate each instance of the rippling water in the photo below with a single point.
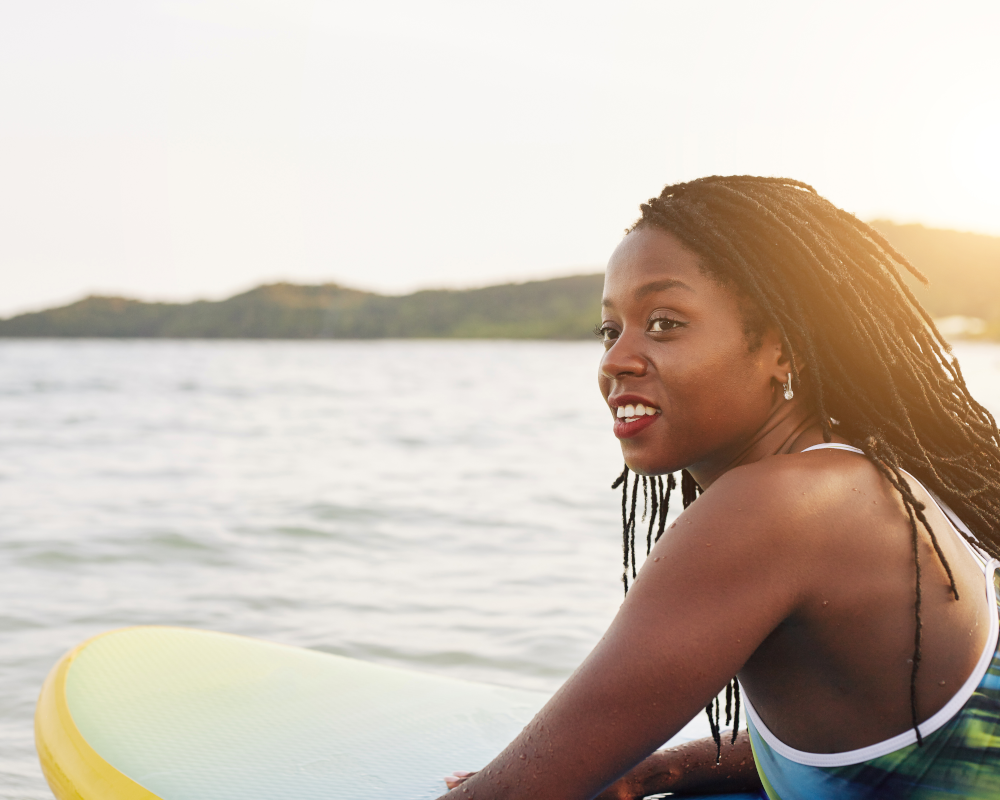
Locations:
(438, 505)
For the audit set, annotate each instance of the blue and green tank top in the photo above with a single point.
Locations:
(960, 756)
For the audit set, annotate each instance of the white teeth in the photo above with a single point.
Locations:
(632, 413)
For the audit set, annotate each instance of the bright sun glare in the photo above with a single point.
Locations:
(976, 152)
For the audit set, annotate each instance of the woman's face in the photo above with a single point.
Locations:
(675, 343)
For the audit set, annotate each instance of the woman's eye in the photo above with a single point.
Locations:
(605, 333)
(663, 324)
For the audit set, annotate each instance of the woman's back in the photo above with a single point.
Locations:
(955, 755)
(834, 676)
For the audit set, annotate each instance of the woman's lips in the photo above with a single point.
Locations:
(626, 430)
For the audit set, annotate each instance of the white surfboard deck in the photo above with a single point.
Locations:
(192, 715)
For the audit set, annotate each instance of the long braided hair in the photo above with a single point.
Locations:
(878, 368)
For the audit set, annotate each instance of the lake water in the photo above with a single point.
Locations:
(443, 506)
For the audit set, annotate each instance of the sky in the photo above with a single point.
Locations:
(180, 149)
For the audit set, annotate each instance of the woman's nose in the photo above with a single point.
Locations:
(623, 358)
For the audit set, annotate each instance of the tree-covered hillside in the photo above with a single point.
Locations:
(963, 268)
(564, 308)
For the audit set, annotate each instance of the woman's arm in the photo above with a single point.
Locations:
(723, 577)
(689, 768)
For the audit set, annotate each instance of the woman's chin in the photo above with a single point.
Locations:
(647, 456)
(643, 462)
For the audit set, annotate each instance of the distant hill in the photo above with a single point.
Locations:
(563, 308)
(963, 268)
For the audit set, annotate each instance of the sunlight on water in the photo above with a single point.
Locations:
(438, 505)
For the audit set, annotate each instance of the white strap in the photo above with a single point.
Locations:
(907, 737)
(834, 446)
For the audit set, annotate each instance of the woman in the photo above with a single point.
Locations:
(763, 341)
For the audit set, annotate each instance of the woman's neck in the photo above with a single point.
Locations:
(792, 428)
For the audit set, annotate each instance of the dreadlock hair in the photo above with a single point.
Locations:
(878, 368)
(660, 506)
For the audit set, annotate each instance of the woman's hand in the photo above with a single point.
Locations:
(622, 789)
(689, 767)
(457, 778)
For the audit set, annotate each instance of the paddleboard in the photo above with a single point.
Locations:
(158, 713)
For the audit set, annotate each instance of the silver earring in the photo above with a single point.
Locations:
(789, 394)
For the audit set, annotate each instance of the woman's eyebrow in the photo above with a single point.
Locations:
(660, 286)
(652, 288)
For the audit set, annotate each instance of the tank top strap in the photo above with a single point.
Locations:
(835, 446)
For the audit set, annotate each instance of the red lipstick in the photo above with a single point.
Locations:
(626, 430)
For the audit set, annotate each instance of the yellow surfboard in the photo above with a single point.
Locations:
(156, 713)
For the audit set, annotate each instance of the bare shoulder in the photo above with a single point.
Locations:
(780, 529)
(816, 476)
(780, 498)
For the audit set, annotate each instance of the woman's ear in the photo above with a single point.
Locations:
(779, 359)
